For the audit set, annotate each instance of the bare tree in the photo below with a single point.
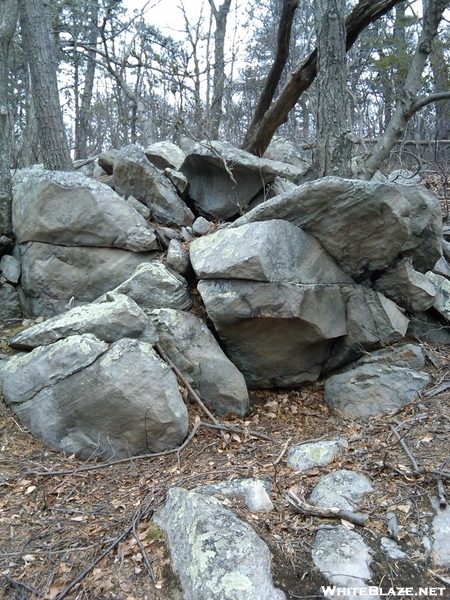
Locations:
(8, 21)
(409, 102)
(260, 133)
(220, 18)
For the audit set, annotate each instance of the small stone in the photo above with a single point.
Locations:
(257, 499)
(139, 207)
(201, 226)
(318, 454)
(10, 268)
(392, 549)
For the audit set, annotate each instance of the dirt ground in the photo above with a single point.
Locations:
(84, 530)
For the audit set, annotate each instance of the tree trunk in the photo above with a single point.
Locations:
(8, 21)
(276, 70)
(334, 146)
(220, 18)
(441, 76)
(408, 103)
(81, 146)
(35, 25)
(260, 135)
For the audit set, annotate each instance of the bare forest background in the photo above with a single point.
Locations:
(367, 79)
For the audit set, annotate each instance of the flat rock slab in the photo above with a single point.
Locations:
(116, 317)
(318, 454)
(343, 558)
(84, 397)
(195, 351)
(52, 275)
(71, 209)
(277, 334)
(268, 251)
(373, 389)
(362, 225)
(340, 489)
(216, 556)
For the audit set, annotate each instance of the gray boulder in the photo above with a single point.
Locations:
(116, 317)
(52, 275)
(10, 268)
(424, 244)
(372, 321)
(80, 396)
(201, 226)
(135, 175)
(277, 334)
(442, 268)
(193, 349)
(362, 225)
(216, 556)
(441, 538)
(400, 355)
(269, 251)
(223, 180)
(286, 151)
(404, 177)
(255, 491)
(71, 209)
(165, 155)
(373, 389)
(10, 307)
(407, 287)
(153, 285)
(178, 258)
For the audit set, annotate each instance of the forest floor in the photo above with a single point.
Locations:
(84, 531)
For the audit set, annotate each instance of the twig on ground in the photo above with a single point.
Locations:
(445, 580)
(416, 467)
(283, 451)
(18, 585)
(303, 507)
(190, 389)
(138, 515)
(148, 564)
(143, 456)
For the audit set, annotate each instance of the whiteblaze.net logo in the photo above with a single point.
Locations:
(422, 592)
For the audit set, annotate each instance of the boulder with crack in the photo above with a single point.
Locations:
(84, 397)
(277, 334)
(215, 554)
(70, 209)
(362, 225)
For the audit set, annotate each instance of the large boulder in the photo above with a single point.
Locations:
(135, 175)
(53, 275)
(116, 317)
(267, 251)
(277, 334)
(190, 345)
(223, 180)
(362, 225)
(83, 397)
(216, 555)
(69, 209)
(442, 298)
